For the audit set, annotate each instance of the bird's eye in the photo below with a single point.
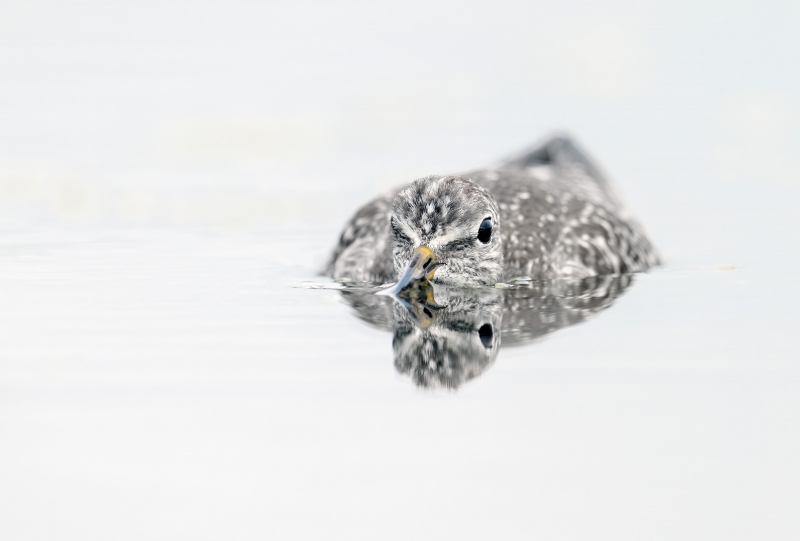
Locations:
(486, 333)
(485, 230)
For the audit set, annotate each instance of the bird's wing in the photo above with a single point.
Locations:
(559, 151)
(567, 162)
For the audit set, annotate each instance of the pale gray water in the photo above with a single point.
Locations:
(167, 385)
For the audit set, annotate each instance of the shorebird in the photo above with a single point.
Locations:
(545, 213)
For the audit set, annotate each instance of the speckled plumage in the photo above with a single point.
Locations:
(553, 212)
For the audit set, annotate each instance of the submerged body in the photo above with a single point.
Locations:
(546, 213)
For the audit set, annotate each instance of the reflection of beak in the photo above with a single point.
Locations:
(420, 303)
(422, 266)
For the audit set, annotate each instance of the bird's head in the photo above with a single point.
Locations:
(446, 229)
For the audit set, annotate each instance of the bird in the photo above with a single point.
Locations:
(545, 213)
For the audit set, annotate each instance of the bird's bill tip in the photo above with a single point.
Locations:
(421, 266)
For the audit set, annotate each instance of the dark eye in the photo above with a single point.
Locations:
(485, 333)
(485, 230)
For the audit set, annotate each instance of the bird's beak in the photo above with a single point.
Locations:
(421, 266)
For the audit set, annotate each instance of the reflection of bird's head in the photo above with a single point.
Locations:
(454, 220)
(458, 342)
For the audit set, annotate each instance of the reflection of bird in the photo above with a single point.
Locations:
(547, 213)
(446, 337)
(532, 312)
(445, 345)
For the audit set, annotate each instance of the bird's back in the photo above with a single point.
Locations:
(560, 217)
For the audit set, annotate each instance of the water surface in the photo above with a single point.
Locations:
(167, 384)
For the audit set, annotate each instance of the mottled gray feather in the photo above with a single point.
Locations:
(558, 216)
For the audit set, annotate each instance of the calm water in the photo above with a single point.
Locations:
(164, 384)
